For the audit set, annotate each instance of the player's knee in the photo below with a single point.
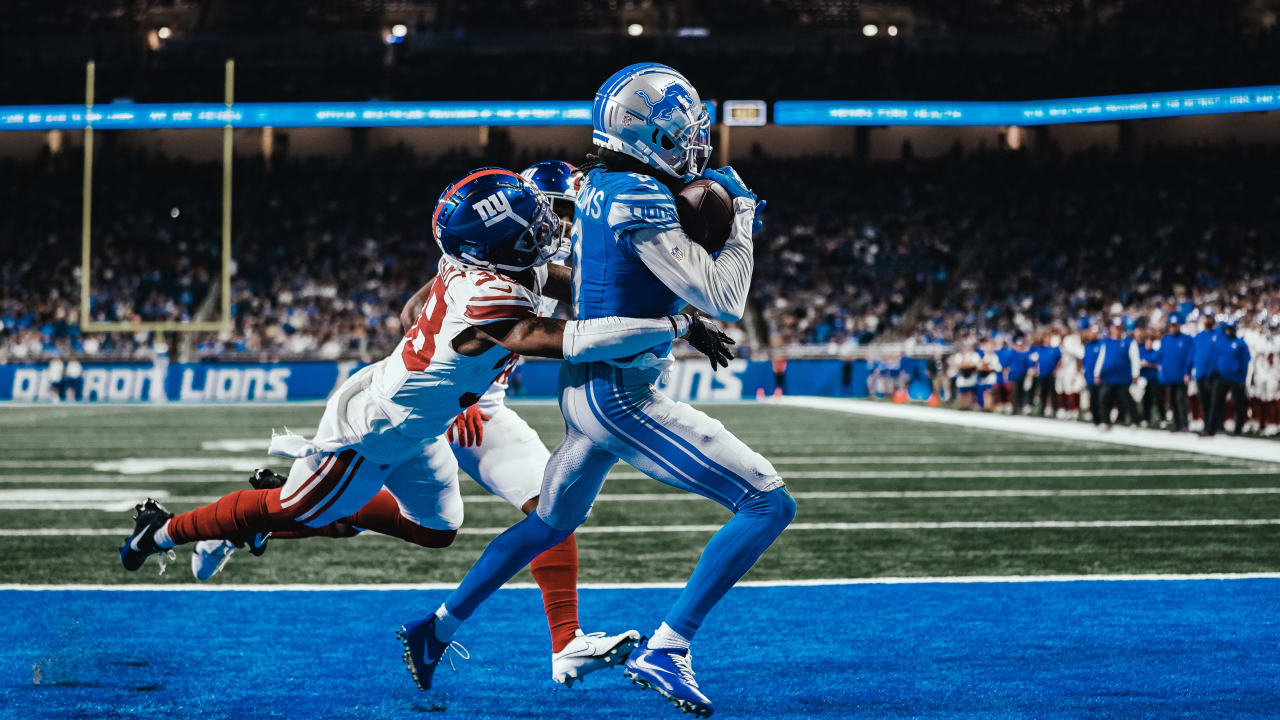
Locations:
(776, 507)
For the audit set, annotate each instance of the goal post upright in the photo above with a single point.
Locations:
(227, 138)
(87, 323)
(86, 199)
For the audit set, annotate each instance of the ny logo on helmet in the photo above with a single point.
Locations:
(495, 208)
(674, 98)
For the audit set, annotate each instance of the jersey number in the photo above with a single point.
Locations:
(422, 336)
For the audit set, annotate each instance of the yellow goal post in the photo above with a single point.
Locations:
(86, 223)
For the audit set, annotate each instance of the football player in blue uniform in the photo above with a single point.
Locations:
(630, 255)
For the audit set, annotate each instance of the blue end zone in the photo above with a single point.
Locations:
(1044, 650)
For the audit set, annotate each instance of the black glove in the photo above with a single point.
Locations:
(705, 337)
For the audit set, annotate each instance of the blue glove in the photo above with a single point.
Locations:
(757, 223)
(728, 178)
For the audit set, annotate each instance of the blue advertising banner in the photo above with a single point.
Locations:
(165, 382)
(1027, 112)
(372, 113)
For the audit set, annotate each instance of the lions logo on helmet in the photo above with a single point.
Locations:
(652, 113)
(493, 219)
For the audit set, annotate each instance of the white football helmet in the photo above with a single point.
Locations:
(652, 113)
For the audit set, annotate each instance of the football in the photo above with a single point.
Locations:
(706, 213)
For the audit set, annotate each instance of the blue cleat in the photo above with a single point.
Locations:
(670, 672)
(423, 650)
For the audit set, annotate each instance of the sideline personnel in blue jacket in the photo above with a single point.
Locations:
(1231, 365)
(1176, 359)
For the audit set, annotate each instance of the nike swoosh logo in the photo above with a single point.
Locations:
(642, 663)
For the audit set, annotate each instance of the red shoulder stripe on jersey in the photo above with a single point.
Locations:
(499, 312)
(507, 299)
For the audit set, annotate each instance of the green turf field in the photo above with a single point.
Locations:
(871, 493)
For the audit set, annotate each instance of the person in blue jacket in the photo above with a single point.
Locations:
(1231, 366)
(1003, 388)
(1047, 357)
(1202, 366)
(1091, 347)
(1115, 370)
(1149, 371)
(1176, 358)
(1018, 368)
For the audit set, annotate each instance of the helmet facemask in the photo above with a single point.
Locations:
(540, 241)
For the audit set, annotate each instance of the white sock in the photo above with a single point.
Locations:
(161, 536)
(446, 624)
(665, 637)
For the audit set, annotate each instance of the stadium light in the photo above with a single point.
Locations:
(399, 30)
(164, 32)
(870, 30)
(892, 30)
(635, 29)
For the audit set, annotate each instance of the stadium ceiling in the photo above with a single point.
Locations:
(143, 116)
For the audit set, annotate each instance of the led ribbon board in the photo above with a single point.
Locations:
(152, 116)
(1031, 112)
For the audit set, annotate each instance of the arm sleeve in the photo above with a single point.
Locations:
(608, 338)
(1097, 363)
(716, 286)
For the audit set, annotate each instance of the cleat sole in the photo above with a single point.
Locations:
(403, 635)
(683, 705)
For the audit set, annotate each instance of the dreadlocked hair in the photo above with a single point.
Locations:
(614, 161)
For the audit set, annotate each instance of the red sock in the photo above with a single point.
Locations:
(335, 529)
(232, 517)
(556, 572)
(382, 515)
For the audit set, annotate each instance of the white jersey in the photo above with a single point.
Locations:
(423, 385)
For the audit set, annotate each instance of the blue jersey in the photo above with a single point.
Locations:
(1176, 351)
(608, 277)
(1231, 359)
(1047, 358)
(1205, 342)
(1005, 356)
(1019, 364)
(1091, 360)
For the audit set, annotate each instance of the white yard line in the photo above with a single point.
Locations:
(961, 474)
(1223, 446)
(166, 464)
(400, 587)
(827, 526)
(125, 499)
(106, 479)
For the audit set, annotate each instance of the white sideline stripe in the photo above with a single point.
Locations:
(961, 474)
(391, 587)
(128, 501)
(849, 459)
(838, 526)
(786, 474)
(103, 499)
(1065, 430)
(128, 466)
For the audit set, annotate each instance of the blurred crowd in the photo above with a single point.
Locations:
(966, 251)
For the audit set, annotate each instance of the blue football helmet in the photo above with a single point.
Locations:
(559, 181)
(652, 113)
(493, 219)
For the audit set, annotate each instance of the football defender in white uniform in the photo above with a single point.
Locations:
(385, 426)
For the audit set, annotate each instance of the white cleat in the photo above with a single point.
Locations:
(590, 652)
(209, 557)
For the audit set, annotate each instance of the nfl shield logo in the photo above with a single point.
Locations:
(677, 253)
